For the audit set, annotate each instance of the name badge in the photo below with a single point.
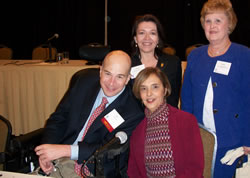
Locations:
(222, 67)
(112, 120)
(135, 70)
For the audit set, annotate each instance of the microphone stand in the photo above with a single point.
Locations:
(50, 48)
(97, 160)
(98, 156)
(50, 53)
(99, 171)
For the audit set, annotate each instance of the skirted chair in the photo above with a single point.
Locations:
(190, 48)
(209, 141)
(5, 52)
(43, 52)
(168, 49)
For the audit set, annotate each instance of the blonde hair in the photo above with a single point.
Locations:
(212, 6)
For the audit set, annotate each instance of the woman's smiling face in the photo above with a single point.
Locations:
(147, 37)
(152, 92)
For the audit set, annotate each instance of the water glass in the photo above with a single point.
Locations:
(59, 57)
(65, 59)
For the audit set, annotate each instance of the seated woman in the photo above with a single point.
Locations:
(167, 143)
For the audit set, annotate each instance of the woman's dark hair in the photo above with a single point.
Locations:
(160, 31)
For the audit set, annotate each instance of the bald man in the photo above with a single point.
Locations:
(63, 138)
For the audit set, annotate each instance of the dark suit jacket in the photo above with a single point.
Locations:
(66, 122)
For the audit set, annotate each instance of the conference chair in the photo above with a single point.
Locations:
(43, 52)
(5, 52)
(94, 53)
(209, 141)
(183, 68)
(5, 136)
(23, 151)
(190, 48)
(17, 152)
(168, 49)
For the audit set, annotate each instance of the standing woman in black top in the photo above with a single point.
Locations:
(147, 44)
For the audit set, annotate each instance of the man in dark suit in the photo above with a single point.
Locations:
(65, 127)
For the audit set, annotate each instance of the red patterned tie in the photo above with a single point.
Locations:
(92, 118)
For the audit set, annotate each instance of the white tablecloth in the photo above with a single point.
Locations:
(30, 90)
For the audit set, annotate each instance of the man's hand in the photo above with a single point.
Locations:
(50, 152)
(47, 167)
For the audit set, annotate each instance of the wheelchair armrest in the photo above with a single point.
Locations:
(4, 157)
(31, 138)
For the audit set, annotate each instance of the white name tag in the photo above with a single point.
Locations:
(135, 70)
(222, 67)
(112, 120)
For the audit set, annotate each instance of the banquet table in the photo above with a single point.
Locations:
(30, 90)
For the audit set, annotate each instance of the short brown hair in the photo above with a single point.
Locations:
(144, 74)
(212, 6)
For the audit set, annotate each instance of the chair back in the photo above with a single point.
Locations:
(168, 49)
(190, 48)
(183, 68)
(209, 141)
(42, 52)
(5, 135)
(94, 52)
(5, 52)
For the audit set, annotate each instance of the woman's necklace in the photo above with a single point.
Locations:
(219, 52)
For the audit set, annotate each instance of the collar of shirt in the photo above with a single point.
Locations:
(109, 98)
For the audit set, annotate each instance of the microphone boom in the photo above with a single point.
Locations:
(119, 139)
(54, 36)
